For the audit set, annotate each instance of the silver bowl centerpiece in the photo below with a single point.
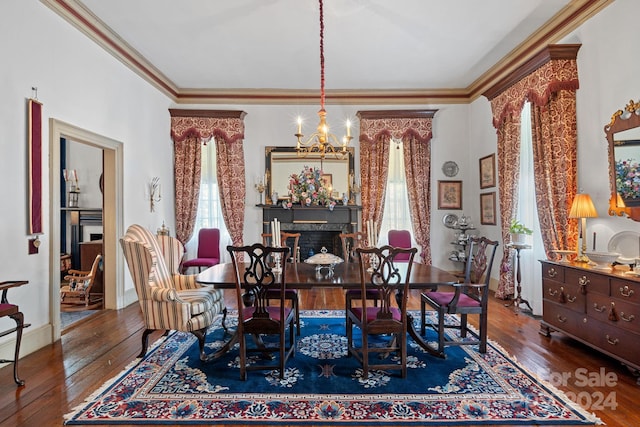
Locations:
(324, 260)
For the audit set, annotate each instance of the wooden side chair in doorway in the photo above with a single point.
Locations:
(76, 294)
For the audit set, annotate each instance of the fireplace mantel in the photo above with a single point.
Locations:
(317, 225)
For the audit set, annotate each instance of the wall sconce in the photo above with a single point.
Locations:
(154, 193)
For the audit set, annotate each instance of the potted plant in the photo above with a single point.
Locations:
(519, 232)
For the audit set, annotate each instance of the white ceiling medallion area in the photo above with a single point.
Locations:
(261, 51)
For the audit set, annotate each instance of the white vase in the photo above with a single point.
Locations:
(518, 238)
(274, 197)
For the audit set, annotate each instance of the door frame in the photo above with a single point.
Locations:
(112, 215)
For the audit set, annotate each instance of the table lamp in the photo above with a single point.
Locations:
(583, 208)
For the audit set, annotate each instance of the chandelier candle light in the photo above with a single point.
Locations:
(322, 141)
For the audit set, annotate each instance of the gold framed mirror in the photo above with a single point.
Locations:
(623, 136)
(282, 162)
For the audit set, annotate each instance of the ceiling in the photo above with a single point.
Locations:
(267, 51)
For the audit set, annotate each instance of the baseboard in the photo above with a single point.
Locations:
(32, 340)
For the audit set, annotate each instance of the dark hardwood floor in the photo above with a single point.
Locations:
(60, 376)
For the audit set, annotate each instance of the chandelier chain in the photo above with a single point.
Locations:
(321, 56)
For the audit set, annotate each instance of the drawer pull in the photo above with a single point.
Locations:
(583, 281)
(599, 309)
(561, 319)
(553, 292)
(552, 272)
(626, 292)
(628, 318)
(614, 341)
(571, 299)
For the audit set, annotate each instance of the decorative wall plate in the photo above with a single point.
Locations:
(450, 168)
(450, 220)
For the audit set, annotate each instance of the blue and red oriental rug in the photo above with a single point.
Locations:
(322, 386)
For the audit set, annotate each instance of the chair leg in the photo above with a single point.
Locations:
(483, 332)
(19, 318)
(423, 316)
(441, 330)
(145, 342)
(224, 318)
(463, 325)
(201, 334)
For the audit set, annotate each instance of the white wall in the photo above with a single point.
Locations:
(80, 84)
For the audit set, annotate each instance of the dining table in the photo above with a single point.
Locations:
(344, 275)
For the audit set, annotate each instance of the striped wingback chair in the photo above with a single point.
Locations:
(168, 300)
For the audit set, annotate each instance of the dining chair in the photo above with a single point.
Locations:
(13, 312)
(260, 271)
(351, 242)
(389, 319)
(208, 250)
(289, 294)
(168, 300)
(400, 239)
(76, 295)
(468, 297)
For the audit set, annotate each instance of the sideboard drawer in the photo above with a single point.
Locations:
(615, 341)
(563, 318)
(614, 311)
(553, 272)
(594, 282)
(570, 296)
(625, 290)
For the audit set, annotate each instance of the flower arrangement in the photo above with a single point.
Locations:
(628, 178)
(517, 227)
(308, 188)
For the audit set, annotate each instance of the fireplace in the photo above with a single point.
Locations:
(318, 226)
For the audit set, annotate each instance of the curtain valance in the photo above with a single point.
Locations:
(537, 87)
(396, 124)
(206, 124)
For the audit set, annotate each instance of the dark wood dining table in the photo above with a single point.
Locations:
(346, 275)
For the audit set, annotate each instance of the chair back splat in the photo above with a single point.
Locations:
(260, 277)
(380, 271)
(467, 298)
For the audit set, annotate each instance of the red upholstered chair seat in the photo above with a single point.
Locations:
(208, 250)
(274, 312)
(444, 298)
(372, 313)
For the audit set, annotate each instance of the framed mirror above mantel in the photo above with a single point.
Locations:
(282, 162)
(623, 136)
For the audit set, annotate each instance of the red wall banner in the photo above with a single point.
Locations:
(35, 167)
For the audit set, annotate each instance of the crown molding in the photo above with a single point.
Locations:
(565, 21)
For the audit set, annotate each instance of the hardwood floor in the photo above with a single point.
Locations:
(60, 376)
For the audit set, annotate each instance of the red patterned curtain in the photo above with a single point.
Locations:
(414, 128)
(551, 90)
(189, 129)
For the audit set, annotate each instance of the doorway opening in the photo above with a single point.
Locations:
(112, 214)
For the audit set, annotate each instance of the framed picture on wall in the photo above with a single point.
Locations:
(449, 194)
(488, 208)
(488, 171)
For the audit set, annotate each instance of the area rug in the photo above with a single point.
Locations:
(322, 386)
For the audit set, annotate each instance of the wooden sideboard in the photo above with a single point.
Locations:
(596, 307)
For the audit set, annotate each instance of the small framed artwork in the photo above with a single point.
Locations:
(488, 208)
(449, 194)
(488, 171)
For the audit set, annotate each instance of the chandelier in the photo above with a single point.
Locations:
(322, 141)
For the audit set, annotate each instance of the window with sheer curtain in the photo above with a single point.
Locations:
(396, 214)
(527, 213)
(209, 210)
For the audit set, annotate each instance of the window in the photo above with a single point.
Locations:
(528, 214)
(209, 210)
(396, 214)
